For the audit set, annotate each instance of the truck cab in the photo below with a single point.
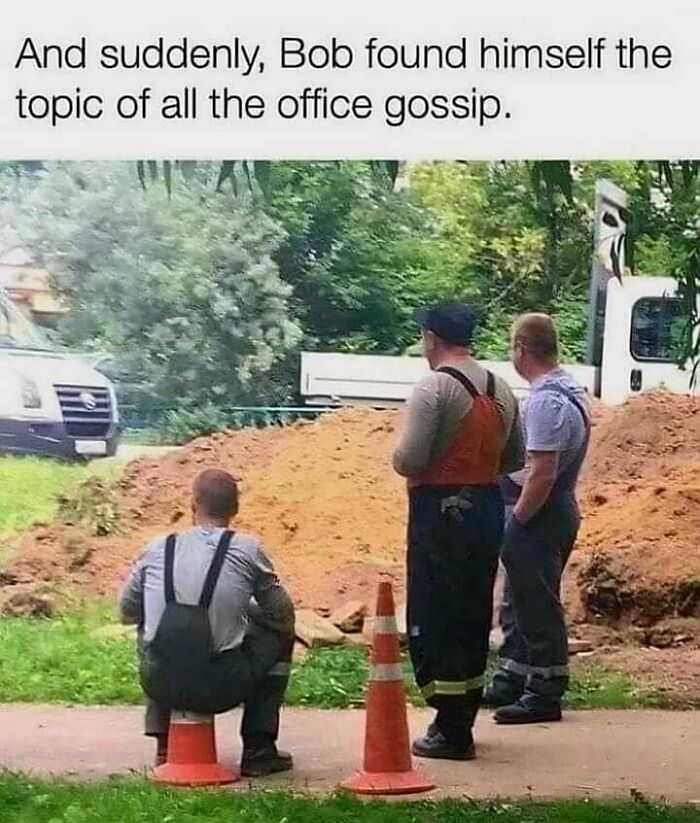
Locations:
(51, 403)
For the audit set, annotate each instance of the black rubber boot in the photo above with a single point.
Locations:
(435, 745)
(521, 713)
(262, 762)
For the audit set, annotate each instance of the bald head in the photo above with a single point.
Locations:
(214, 496)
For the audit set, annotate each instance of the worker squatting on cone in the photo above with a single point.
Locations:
(215, 627)
(387, 765)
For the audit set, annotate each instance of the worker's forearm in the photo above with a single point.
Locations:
(130, 603)
(275, 609)
(533, 496)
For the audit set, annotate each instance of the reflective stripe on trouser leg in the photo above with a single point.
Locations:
(452, 688)
(523, 670)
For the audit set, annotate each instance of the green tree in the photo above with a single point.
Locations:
(359, 255)
(184, 289)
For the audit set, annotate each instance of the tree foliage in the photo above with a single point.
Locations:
(184, 290)
(209, 285)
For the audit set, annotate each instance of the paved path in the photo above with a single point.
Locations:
(595, 754)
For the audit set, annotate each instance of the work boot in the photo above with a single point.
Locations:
(521, 713)
(265, 761)
(435, 745)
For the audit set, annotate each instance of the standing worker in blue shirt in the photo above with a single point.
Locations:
(541, 531)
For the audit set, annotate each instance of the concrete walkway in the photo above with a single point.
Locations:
(594, 754)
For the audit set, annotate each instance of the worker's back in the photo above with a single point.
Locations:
(246, 572)
(438, 410)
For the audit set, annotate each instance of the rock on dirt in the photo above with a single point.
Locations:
(350, 618)
(577, 646)
(28, 600)
(315, 631)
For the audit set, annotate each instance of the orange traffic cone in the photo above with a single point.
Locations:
(388, 768)
(192, 757)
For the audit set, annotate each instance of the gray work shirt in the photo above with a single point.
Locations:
(246, 574)
(552, 423)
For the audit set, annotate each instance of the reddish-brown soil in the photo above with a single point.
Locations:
(641, 500)
(331, 512)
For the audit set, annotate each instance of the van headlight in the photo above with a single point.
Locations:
(31, 399)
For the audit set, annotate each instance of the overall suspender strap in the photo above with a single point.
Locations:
(490, 385)
(462, 378)
(215, 570)
(168, 576)
(467, 383)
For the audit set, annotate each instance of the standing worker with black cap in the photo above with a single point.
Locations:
(461, 432)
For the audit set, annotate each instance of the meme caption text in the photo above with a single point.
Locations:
(316, 80)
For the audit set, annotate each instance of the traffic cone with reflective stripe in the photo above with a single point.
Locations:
(192, 757)
(388, 768)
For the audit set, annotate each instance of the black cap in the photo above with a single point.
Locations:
(452, 322)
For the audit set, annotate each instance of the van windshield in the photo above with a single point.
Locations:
(17, 331)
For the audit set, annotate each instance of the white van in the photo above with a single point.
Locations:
(51, 403)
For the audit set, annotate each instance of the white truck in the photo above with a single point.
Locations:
(51, 402)
(634, 323)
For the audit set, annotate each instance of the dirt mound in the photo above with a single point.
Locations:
(641, 501)
(322, 497)
(646, 437)
(332, 513)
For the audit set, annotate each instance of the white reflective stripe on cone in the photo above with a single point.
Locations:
(385, 624)
(190, 717)
(386, 671)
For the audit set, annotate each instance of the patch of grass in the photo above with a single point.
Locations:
(30, 488)
(62, 661)
(329, 678)
(24, 800)
(594, 687)
(75, 659)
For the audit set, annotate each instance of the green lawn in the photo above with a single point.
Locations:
(29, 487)
(70, 659)
(24, 800)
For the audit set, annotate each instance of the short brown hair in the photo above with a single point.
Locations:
(538, 334)
(215, 492)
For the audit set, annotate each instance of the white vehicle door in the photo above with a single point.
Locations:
(643, 324)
